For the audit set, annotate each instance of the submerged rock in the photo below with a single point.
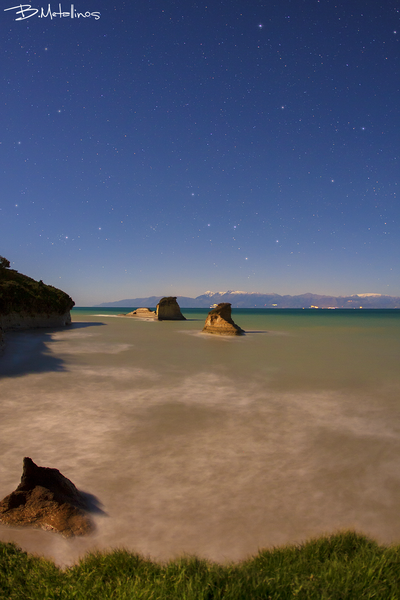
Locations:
(168, 310)
(219, 321)
(47, 500)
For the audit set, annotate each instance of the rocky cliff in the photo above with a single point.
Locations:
(26, 303)
(24, 320)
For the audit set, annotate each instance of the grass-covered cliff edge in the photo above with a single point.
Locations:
(345, 565)
(22, 294)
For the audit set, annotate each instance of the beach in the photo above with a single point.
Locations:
(205, 445)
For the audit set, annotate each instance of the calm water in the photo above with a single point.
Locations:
(208, 445)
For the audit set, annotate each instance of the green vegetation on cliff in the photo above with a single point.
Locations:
(20, 293)
(342, 566)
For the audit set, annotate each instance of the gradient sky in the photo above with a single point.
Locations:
(174, 147)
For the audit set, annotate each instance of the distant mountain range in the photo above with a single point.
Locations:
(240, 299)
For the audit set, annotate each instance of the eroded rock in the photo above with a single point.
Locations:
(219, 321)
(168, 310)
(47, 500)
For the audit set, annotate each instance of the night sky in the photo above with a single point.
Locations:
(173, 147)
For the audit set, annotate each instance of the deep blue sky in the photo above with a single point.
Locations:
(174, 147)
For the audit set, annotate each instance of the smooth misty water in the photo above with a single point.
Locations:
(200, 444)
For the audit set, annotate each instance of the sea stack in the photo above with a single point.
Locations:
(168, 310)
(47, 500)
(219, 321)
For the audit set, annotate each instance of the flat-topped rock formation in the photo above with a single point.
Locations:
(143, 313)
(219, 321)
(168, 310)
(47, 500)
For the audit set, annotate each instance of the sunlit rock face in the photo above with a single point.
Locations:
(168, 310)
(219, 321)
(47, 500)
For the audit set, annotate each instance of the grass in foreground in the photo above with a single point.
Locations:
(346, 565)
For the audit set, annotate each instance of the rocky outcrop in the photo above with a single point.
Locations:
(26, 303)
(219, 321)
(47, 500)
(168, 310)
(23, 320)
(143, 313)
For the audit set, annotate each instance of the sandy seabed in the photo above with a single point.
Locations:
(200, 445)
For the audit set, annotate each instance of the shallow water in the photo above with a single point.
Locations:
(200, 444)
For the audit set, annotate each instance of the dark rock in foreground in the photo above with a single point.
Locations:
(219, 321)
(168, 310)
(47, 500)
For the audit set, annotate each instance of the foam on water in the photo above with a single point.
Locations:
(197, 446)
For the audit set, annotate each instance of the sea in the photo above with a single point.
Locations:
(193, 443)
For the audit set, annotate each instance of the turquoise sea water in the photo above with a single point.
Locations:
(202, 444)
